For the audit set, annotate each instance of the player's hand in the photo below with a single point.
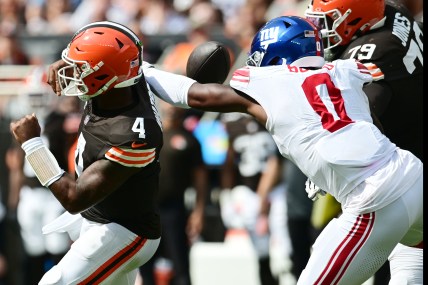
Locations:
(313, 190)
(195, 224)
(26, 128)
(53, 76)
(262, 225)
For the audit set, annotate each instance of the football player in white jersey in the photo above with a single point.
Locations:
(320, 119)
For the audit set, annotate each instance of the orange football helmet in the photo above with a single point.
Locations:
(341, 20)
(100, 56)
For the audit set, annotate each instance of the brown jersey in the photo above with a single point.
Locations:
(132, 137)
(394, 55)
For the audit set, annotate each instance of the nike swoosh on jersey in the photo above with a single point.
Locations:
(137, 145)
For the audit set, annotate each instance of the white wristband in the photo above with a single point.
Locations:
(42, 161)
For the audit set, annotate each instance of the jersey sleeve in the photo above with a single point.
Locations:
(375, 71)
(240, 79)
(131, 157)
(355, 69)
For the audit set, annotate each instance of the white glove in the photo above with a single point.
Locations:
(313, 190)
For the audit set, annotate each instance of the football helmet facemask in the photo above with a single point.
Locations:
(290, 40)
(341, 20)
(100, 56)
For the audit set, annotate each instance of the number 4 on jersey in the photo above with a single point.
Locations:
(138, 127)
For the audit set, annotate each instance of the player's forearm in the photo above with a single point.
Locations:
(169, 87)
(73, 196)
(184, 92)
(65, 191)
(96, 182)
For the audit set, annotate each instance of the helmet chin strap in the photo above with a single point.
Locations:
(132, 81)
(379, 24)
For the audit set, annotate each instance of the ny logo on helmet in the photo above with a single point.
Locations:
(269, 36)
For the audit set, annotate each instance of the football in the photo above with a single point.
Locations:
(209, 63)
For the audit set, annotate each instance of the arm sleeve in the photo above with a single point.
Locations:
(169, 87)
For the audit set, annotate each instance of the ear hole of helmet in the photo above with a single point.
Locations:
(354, 22)
(101, 77)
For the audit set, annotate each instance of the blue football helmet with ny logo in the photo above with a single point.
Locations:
(290, 40)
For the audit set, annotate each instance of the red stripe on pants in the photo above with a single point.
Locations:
(346, 251)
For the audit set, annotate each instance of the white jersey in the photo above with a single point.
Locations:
(320, 119)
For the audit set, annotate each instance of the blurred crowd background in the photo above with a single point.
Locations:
(32, 35)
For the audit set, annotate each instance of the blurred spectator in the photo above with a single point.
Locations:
(34, 204)
(11, 16)
(204, 13)
(14, 248)
(3, 262)
(247, 181)
(6, 140)
(242, 30)
(286, 8)
(182, 168)
(123, 11)
(35, 22)
(9, 233)
(203, 17)
(174, 58)
(159, 17)
(299, 223)
(229, 8)
(3, 269)
(58, 14)
(89, 11)
(11, 52)
(248, 18)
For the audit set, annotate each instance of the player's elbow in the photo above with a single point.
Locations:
(72, 205)
(73, 202)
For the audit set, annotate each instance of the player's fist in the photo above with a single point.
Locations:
(26, 128)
